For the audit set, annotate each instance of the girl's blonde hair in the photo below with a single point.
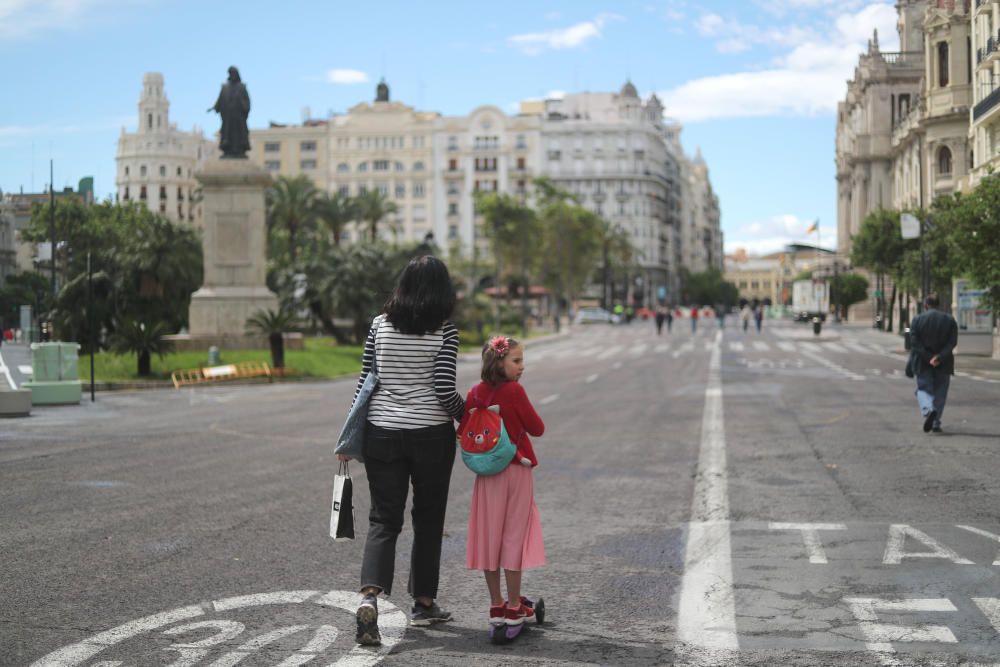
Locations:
(495, 350)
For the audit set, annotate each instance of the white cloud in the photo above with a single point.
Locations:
(773, 234)
(574, 36)
(21, 19)
(346, 76)
(808, 80)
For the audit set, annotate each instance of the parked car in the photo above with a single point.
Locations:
(592, 315)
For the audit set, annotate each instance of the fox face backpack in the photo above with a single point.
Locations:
(486, 448)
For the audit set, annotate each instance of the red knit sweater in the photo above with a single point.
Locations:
(519, 417)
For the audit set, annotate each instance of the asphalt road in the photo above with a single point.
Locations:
(707, 499)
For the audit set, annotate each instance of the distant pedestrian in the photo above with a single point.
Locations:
(670, 319)
(409, 438)
(720, 314)
(505, 529)
(933, 336)
(660, 317)
(694, 319)
(758, 316)
(745, 316)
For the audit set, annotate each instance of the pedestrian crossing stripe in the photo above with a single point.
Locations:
(761, 345)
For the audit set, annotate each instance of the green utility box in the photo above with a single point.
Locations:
(55, 374)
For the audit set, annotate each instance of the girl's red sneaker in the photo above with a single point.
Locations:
(497, 614)
(517, 613)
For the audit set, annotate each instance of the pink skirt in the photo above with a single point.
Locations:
(505, 529)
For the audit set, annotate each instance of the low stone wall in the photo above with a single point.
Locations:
(189, 343)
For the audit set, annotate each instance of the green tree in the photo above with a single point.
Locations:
(972, 231)
(135, 337)
(273, 324)
(373, 207)
(511, 227)
(290, 214)
(617, 255)
(878, 246)
(847, 289)
(335, 211)
(708, 288)
(23, 289)
(571, 240)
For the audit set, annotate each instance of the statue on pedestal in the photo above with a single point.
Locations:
(234, 107)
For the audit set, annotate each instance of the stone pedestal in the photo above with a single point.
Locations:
(235, 247)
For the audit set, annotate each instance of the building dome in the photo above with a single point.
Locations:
(628, 90)
(382, 91)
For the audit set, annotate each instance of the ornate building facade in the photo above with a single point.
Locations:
(985, 130)
(156, 164)
(613, 150)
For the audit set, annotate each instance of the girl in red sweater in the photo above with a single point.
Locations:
(505, 530)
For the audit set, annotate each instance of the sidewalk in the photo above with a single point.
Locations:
(977, 364)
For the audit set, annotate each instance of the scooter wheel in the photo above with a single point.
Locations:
(540, 611)
(498, 634)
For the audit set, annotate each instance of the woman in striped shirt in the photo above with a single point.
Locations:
(410, 438)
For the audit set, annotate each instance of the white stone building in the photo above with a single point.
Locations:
(701, 234)
(929, 144)
(485, 151)
(985, 117)
(156, 164)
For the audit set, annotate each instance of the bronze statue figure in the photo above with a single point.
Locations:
(234, 107)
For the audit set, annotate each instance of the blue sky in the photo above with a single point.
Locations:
(754, 82)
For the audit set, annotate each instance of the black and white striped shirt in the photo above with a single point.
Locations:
(416, 376)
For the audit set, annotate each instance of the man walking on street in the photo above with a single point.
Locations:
(933, 336)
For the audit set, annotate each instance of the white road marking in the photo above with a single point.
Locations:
(810, 537)
(709, 346)
(392, 624)
(591, 378)
(25, 370)
(610, 351)
(6, 373)
(686, 347)
(836, 347)
(879, 636)
(829, 364)
(761, 345)
(549, 399)
(898, 532)
(810, 347)
(736, 346)
(987, 534)
(706, 616)
(786, 346)
(662, 347)
(638, 349)
(858, 347)
(617, 364)
(991, 609)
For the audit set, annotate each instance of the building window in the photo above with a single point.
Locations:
(272, 147)
(126, 192)
(383, 189)
(452, 231)
(400, 191)
(418, 189)
(944, 161)
(380, 165)
(343, 167)
(453, 187)
(179, 172)
(419, 213)
(142, 170)
(452, 208)
(453, 143)
(363, 166)
(307, 146)
(180, 194)
(418, 166)
(307, 164)
(163, 192)
(399, 166)
(362, 189)
(142, 192)
(555, 155)
(163, 207)
(942, 58)
(272, 165)
(520, 164)
(344, 190)
(452, 164)
(126, 171)
(519, 142)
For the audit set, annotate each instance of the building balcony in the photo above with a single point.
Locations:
(984, 106)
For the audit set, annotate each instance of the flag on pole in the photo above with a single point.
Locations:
(814, 227)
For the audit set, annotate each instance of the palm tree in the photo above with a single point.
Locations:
(290, 208)
(335, 211)
(373, 206)
(272, 324)
(135, 336)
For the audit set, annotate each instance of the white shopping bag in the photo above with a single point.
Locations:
(342, 512)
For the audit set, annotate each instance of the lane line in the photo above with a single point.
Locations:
(786, 346)
(549, 399)
(736, 346)
(609, 352)
(761, 345)
(662, 347)
(832, 366)
(592, 378)
(707, 614)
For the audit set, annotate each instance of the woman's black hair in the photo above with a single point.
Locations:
(424, 297)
